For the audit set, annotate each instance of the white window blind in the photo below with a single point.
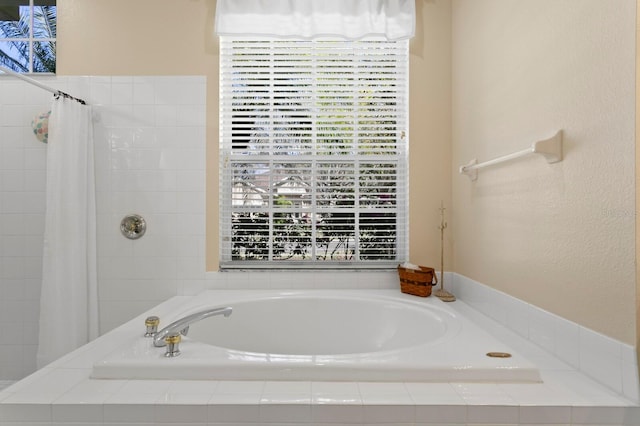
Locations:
(313, 164)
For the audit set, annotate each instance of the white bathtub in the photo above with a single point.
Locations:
(321, 335)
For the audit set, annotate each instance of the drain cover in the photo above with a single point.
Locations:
(499, 354)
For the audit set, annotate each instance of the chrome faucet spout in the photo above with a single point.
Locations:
(182, 325)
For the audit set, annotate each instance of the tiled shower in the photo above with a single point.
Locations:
(150, 159)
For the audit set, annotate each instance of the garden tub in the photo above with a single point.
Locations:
(320, 335)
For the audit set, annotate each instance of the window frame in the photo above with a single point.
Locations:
(399, 159)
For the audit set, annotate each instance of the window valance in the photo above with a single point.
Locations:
(308, 19)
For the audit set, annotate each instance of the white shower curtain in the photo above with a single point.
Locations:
(68, 301)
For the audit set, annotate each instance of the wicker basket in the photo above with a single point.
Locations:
(417, 282)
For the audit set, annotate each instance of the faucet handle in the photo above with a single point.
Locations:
(173, 341)
(151, 323)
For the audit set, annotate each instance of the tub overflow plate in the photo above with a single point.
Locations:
(499, 355)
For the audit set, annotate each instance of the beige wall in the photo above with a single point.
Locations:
(558, 236)
(430, 132)
(637, 180)
(175, 37)
(142, 37)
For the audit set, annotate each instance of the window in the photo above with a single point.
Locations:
(313, 139)
(28, 35)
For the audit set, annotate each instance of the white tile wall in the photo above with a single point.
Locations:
(22, 188)
(151, 162)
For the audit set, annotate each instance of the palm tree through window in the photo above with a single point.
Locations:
(28, 35)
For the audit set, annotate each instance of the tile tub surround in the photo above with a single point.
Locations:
(62, 393)
(608, 361)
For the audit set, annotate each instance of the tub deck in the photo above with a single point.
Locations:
(458, 355)
(64, 393)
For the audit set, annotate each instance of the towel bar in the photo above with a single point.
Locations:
(550, 149)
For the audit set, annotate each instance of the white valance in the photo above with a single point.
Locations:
(349, 19)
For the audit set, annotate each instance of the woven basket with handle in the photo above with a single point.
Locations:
(417, 281)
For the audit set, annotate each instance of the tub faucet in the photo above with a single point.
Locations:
(182, 325)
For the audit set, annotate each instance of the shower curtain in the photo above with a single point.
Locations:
(68, 300)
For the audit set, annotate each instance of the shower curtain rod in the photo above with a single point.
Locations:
(29, 80)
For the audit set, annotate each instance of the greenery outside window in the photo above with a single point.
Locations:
(313, 139)
(28, 35)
